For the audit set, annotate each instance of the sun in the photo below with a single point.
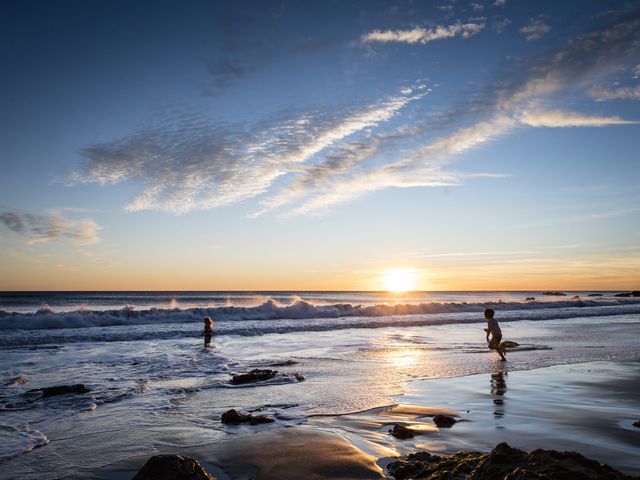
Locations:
(399, 279)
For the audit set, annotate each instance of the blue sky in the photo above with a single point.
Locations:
(316, 145)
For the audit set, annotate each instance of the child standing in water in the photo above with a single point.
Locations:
(496, 334)
(208, 332)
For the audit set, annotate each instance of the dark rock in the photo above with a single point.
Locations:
(256, 375)
(635, 293)
(594, 295)
(636, 424)
(299, 377)
(555, 294)
(444, 421)
(60, 390)
(575, 297)
(625, 294)
(402, 432)
(435, 467)
(529, 299)
(234, 417)
(504, 463)
(172, 467)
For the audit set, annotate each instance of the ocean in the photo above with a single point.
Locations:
(153, 387)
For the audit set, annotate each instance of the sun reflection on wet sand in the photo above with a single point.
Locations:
(405, 357)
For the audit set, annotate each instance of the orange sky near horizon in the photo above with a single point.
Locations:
(445, 273)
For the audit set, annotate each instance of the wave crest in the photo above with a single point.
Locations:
(47, 318)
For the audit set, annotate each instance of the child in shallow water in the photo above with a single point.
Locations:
(207, 332)
(496, 334)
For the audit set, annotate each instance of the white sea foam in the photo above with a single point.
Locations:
(15, 441)
(47, 318)
(16, 381)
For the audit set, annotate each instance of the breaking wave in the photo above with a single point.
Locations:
(47, 318)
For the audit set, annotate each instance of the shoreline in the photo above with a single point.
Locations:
(586, 407)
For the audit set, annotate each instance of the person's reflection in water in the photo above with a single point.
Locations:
(498, 389)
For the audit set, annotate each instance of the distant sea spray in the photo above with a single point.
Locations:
(429, 313)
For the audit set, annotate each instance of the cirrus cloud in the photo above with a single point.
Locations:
(423, 35)
(188, 163)
(535, 30)
(559, 118)
(304, 162)
(619, 93)
(52, 226)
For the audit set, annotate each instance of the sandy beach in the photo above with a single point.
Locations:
(589, 408)
(96, 393)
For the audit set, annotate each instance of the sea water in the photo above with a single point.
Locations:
(154, 388)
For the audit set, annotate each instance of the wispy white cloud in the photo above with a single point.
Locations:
(560, 118)
(513, 107)
(424, 35)
(500, 3)
(314, 176)
(52, 226)
(424, 167)
(501, 25)
(189, 163)
(619, 93)
(536, 29)
(498, 253)
(307, 162)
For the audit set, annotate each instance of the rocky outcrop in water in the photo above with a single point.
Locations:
(256, 375)
(503, 463)
(444, 421)
(636, 424)
(555, 294)
(172, 467)
(635, 293)
(60, 390)
(234, 417)
(401, 432)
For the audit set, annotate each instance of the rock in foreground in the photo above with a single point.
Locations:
(401, 432)
(61, 390)
(234, 417)
(256, 375)
(503, 463)
(444, 421)
(172, 467)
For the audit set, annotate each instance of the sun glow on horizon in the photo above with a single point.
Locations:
(399, 279)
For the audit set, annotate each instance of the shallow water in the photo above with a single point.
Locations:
(154, 387)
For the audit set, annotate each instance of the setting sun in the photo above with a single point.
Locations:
(399, 279)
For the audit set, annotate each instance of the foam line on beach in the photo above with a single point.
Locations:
(40, 336)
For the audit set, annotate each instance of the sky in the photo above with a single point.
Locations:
(297, 145)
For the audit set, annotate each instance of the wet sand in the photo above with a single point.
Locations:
(589, 408)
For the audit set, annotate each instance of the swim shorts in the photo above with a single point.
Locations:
(494, 343)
